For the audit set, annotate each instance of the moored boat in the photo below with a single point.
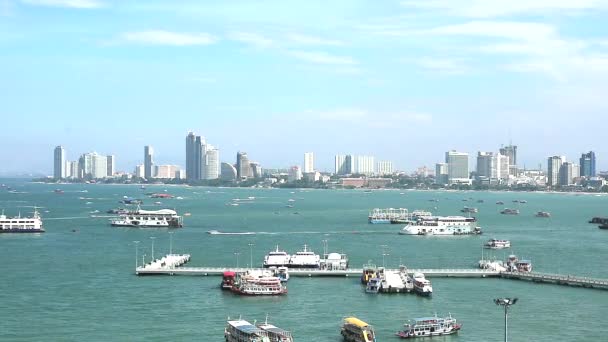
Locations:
(470, 210)
(355, 330)
(255, 283)
(275, 334)
(422, 286)
(228, 279)
(373, 286)
(513, 264)
(276, 258)
(430, 326)
(305, 259)
(243, 331)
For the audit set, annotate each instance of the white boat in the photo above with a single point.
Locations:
(508, 211)
(441, 225)
(516, 265)
(543, 214)
(429, 327)
(422, 286)
(21, 224)
(256, 283)
(282, 273)
(276, 258)
(243, 331)
(163, 218)
(497, 244)
(275, 334)
(373, 285)
(305, 259)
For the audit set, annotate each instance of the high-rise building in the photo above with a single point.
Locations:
(587, 164)
(111, 165)
(228, 172)
(191, 167)
(74, 169)
(92, 166)
(565, 174)
(385, 168)
(344, 164)
(211, 163)
(511, 152)
(576, 172)
(309, 162)
(148, 162)
(485, 165)
(165, 171)
(59, 163)
(458, 167)
(364, 165)
(139, 171)
(255, 170)
(243, 169)
(554, 165)
(294, 174)
(502, 167)
(441, 173)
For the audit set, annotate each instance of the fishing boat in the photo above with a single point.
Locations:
(228, 279)
(21, 224)
(422, 286)
(355, 330)
(500, 203)
(469, 210)
(275, 334)
(243, 331)
(429, 327)
(497, 244)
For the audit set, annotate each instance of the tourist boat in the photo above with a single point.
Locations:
(500, 203)
(355, 330)
(129, 200)
(243, 331)
(373, 285)
(388, 215)
(59, 191)
(429, 327)
(118, 211)
(469, 210)
(228, 279)
(21, 224)
(282, 273)
(305, 259)
(507, 211)
(422, 286)
(497, 244)
(441, 225)
(255, 283)
(276, 258)
(513, 264)
(163, 218)
(369, 272)
(543, 214)
(275, 334)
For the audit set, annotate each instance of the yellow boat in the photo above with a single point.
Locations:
(355, 330)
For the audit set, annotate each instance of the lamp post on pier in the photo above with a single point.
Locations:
(506, 302)
(152, 238)
(251, 244)
(170, 242)
(136, 248)
(384, 254)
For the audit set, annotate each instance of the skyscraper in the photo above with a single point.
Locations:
(344, 164)
(243, 168)
(511, 152)
(364, 165)
(111, 165)
(485, 165)
(211, 163)
(191, 157)
(587, 164)
(309, 162)
(384, 168)
(59, 163)
(565, 174)
(441, 173)
(458, 167)
(148, 162)
(255, 170)
(554, 164)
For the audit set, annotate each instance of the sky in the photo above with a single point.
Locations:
(400, 80)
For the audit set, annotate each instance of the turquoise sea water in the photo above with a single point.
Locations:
(76, 281)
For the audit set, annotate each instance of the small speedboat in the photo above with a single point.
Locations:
(543, 214)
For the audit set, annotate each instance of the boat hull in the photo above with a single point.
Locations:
(19, 231)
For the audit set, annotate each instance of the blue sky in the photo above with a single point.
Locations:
(402, 80)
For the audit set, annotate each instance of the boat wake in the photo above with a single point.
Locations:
(66, 218)
(217, 232)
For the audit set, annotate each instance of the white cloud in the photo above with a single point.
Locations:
(303, 39)
(320, 57)
(498, 8)
(254, 39)
(160, 37)
(88, 4)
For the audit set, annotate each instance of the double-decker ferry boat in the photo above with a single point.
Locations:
(430, 326)
(21, 224)
(163, 218)
(254, 283)
(276, 258)
(355, 330)
(243, 331)
(497, 244)
(441, 225)
(422, 286)
(305, 259)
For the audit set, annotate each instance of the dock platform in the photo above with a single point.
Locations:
(559, 279)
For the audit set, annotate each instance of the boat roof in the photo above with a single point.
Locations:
(158, 212)
(229, 273)
(245, 327)
(271, 328)
(355, 321)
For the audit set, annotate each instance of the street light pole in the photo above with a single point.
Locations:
(136, 248)
(152, 238)
(383, 255)
(250, 254)
(237, 258)
(170, 242)
(506, 302)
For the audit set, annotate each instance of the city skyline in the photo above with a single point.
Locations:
(459, 75)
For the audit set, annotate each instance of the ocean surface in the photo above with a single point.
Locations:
(76, 282)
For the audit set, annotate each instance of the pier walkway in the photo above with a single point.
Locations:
(558, 279)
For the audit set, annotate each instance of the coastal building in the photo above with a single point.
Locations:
(309, 162)
(503, 167)
(180, 174)
(73, 165)
(228, 172)
(566, 174)
(485, 165)
(344, 164)
(165, 171)
(211, 163)
(92, 166)
(458, 167)
(243, 168)
(148, 162)
(312, 176)
(68, 173)
(294, 174)
(441, 173)
(587, 164)
(422, 171)
(364, 165)
(554, 165)
(353, 182)
(59, 163)
(111, 165)
(385, 168)
(191, 152)
(139, 171)
(378, 183)
(511, 152)
(255, 170)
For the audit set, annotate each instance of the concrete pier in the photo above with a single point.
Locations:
(559, 279)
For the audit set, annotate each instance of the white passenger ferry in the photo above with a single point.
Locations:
(276, 258)
(21, 224)
(497, 244)
(305, 259)
(429, 327)
(243, 331)
(163, 218)
(422, 286)
(441, 225)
